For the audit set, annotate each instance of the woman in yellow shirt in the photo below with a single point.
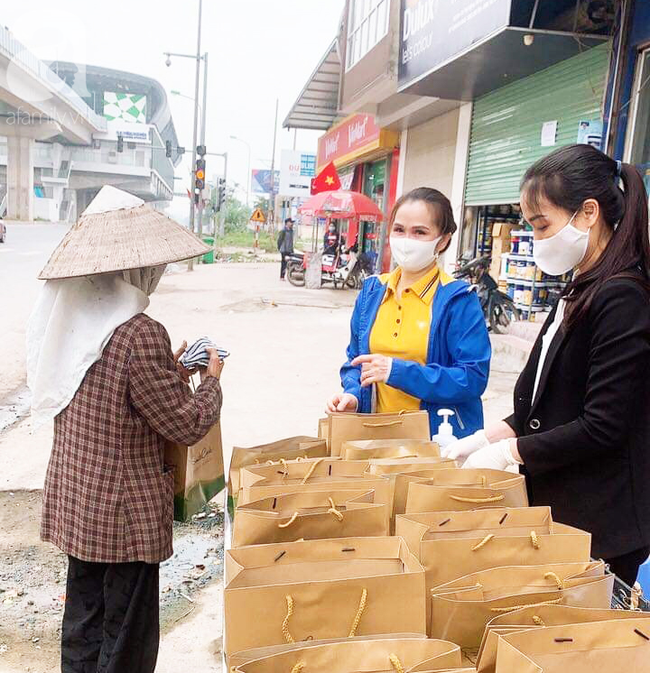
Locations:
(418, 337)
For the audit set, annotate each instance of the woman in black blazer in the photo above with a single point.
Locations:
(581, 425)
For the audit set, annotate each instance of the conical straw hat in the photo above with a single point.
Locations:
(117, 232)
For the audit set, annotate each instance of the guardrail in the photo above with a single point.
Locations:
(18, 53)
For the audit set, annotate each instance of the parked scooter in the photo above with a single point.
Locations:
(343, 270)
(498, 308)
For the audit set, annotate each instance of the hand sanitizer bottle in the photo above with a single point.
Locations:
(445, 434)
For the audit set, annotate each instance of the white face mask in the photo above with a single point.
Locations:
(412, 255)
(562, 252)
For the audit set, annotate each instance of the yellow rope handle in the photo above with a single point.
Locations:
(285, 624)
(311, 470)
(478, 501)
(538, 620)
(388, 424)
(483, 542)
(357, 619)
(355, 625)
(285, 467)
(534, 539)
(396, 663)
(298, 667)
(553, 576)
(334, 511)
(286, 524)
(529, 605)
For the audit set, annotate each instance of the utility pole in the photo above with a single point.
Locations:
(204, 116)
(275, 137)
(190, 264)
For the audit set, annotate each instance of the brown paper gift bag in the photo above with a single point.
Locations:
(240, 658)
(448, 490)
(404, 425)
(320, 474)
(461, 609)
(488, 538)
(377, 654)
(391, 468)
(310, 516)
(593, 647)
(198, 473)
(389, 448)
(284, 449)
(540, 617)
(321, 589)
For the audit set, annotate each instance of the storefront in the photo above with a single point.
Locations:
(366, 158)
(512, 128)
(629, 90)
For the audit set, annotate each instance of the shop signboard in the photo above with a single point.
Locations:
(434, 32)
(348, 140)
(296, 171)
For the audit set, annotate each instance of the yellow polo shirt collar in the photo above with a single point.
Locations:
(424, 288)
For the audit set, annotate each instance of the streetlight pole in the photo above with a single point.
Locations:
(275, 137)
(248, 180)
(197, 56)
(203, 120)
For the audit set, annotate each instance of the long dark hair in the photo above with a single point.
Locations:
(438, 203)
(567, 178)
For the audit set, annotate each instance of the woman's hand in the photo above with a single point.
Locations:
(215, 366)
(463, 448)
(184, 372)
(374, 368)
(342, 402)
(499, 456)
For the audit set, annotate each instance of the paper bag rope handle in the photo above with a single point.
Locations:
(528, 605)
(387, 424)
(331, 510)
(394, 661)
(311, 470)
(478, 501)
(533, 538)
(355, 624)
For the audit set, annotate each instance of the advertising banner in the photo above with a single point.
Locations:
(296, 171)
(435, 31)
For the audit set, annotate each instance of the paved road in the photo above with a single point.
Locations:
(22, 256)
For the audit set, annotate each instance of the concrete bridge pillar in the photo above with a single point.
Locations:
(20, 178)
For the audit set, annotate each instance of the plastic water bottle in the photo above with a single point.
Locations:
(445, 434)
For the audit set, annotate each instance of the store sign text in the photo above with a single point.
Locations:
(350, 136)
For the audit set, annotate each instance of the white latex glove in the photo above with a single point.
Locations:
(493, 457)
(463, 448)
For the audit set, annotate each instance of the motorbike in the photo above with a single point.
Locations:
(342, 269)
(498, 308)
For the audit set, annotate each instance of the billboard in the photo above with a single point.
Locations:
(296, 171)
(435, 31)
(127, 107)
(261, 181)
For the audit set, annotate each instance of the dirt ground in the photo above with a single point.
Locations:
(287, 345)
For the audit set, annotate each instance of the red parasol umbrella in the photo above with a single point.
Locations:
(342, 205)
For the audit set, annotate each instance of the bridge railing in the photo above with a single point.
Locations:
(17, 52)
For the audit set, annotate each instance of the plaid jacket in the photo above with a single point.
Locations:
(107, 496)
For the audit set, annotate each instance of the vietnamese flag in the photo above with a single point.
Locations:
(326, 181)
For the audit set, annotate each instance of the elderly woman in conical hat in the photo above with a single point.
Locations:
(105, 372)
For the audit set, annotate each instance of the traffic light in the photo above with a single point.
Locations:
(180, 151)
(199, 174)
(200, 150)
(168, 149)
(120, 143)
(221, 193)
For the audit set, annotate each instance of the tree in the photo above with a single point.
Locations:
(237, 213)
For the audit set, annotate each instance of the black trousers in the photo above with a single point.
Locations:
(626, 567)
(283, 263)
(111, 618)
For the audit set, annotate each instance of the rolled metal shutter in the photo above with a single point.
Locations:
(507, 123)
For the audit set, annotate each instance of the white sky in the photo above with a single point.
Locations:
(258, 50)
